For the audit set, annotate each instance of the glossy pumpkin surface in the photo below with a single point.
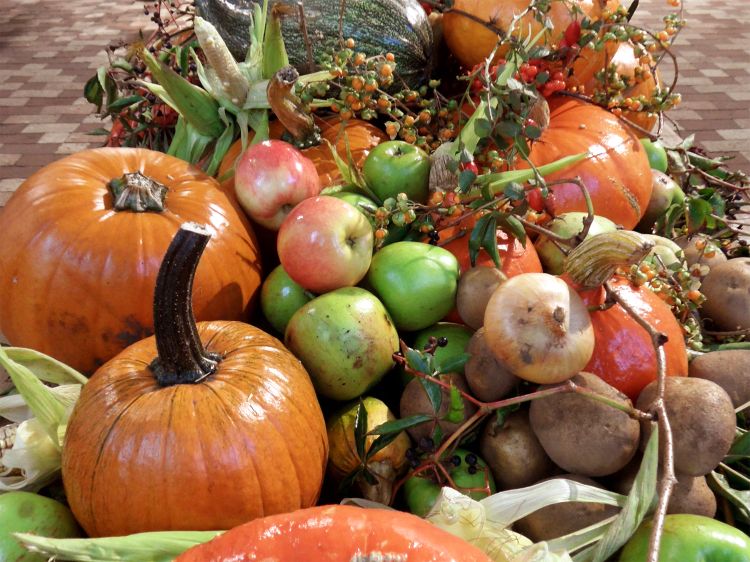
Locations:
(361, 137)
(336, 533)
(471, 42)
(248, 441)
(623, 353)
(617, 173)
(77, 276)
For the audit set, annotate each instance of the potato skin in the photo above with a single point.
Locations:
(582, 435)
(514, 453)
(487, 377)
(727, 291)
(560, 519)
(702, 418)
(730, 369)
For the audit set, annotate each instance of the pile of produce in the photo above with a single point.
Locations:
(342, 261)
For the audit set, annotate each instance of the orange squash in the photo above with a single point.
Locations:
(198, 428)
(78, 264)
(623, 353)
(336, 533)
(617, 174)
(361, 136)
(471, 42)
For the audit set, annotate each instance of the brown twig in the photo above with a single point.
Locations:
(668, 479)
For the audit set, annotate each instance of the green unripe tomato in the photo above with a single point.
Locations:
(281, 297)
(657, 155)
(458, 337)
(367, 206)
(395, 167)
(690, 538)
(24, 512)
(421, 493)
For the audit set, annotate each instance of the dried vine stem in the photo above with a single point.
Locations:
(668, 479)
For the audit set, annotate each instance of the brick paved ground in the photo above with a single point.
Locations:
(49, 48)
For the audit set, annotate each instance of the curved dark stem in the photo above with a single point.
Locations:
(289, 109)
(182, 358)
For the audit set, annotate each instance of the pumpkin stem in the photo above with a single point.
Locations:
(138, 193)
(182, 358)
(289, 109)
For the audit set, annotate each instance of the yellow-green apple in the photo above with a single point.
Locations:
(395, 167)
(324, 244)
(345, 339)
(417, 282)
(270, 178)
(281, 297)
(566, 225)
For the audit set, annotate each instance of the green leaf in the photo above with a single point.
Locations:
(360, 429)
(44, 367)
(479, 234)
(489, 240)
(740, 449)
(93, 92)
(434, 393)
(465, 180)
(482, 128)
(124, 102)
(397, 426)
(514, 191)
(533, 132)
(274, 51)
(454, 364)
(380, 443)
(739, 498)
(508, 128)
(514, 227)
(417, 361)
(456, 412)
(640, 501)
(698, 211)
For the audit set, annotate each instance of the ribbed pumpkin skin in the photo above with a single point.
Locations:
(248, 441)
(77, 278)
(623, 353)
(360, 135)
(471, 42)
(336, 533)
(617, 175)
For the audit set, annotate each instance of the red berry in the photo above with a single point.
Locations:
(427, 7)
(535, 199)
(573, 33)
(471, 166)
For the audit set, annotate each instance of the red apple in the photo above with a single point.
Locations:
(324, 244)
(270, 178)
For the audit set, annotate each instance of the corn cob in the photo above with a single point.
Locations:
(594, 261)
(232, 81)
(7, 439)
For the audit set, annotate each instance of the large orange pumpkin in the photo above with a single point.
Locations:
(360, 135)
(198, 428)
(624, 355)
(471, 42)
(78, 264)
(617, 173)
(336, 533)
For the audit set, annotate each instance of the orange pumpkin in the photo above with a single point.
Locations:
(617, 174)
(335, 533)
(78, 264)
(471, 42)
(198, 428)
(622, 55)
(623, 353)
(361, 136)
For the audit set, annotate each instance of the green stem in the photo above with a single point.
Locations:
(182, 358)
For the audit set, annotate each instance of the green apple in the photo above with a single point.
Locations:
(395, 167)
(567, 225)
(657, 155)
(417, 282)
(280, 297)
(663, 191)
(458, 336)
(24, 512)
(421, 492)
(345, 339)
(368, 207)
(666, 250)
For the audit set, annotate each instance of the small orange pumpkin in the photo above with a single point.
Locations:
(617, 173)
(624, 355)
(198, 428)
(81, 244)
(337, 533)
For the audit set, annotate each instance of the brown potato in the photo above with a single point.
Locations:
(727, 291)
(514, 453)
(414, 400)
(488, 378)
(702, 419)
(562, 518)
(729, 369)
(582, 435)
(475, 287)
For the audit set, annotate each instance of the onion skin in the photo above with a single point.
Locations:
(539, 327)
